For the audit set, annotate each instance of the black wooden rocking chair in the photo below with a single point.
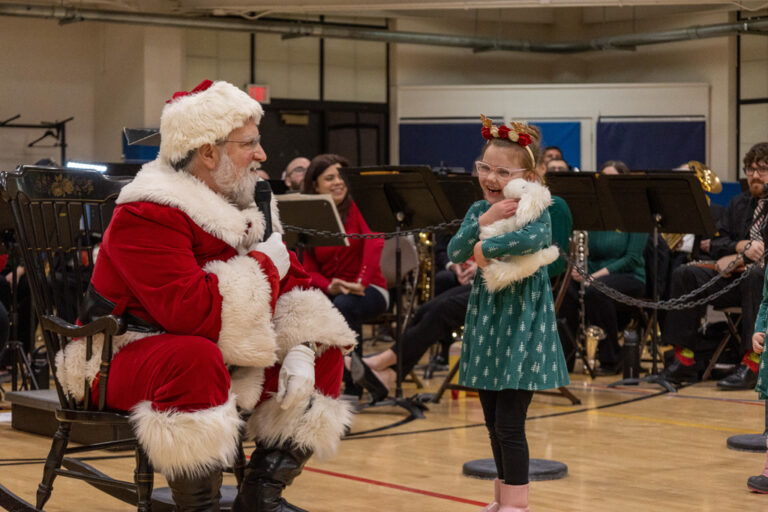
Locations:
(59, 217)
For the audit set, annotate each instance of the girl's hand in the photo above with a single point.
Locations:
(758, 342)
(479, 258)
(501, 210)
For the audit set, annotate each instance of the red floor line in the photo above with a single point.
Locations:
(396, 486)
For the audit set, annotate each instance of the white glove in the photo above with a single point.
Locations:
(275, 250)
(297, 377)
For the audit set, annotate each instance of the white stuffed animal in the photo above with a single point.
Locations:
(534, 200)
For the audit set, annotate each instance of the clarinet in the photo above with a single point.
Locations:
(581, 247)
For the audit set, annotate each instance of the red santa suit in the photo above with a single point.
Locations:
(181, 258)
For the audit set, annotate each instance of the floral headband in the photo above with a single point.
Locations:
(518, 132)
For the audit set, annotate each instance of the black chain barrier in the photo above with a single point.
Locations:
(675, 304)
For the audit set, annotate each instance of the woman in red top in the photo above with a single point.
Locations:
(351, 276)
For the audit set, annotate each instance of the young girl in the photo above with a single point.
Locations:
(759, 483)
(511, 346)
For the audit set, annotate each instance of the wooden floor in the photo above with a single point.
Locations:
(628, 449)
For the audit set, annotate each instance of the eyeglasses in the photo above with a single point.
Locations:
(754, 169)
(251, 145)
(483, 169)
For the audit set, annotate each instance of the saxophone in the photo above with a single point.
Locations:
(426, 267)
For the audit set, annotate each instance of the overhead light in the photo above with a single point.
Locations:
(83, 165)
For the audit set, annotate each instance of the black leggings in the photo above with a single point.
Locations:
(505, 413)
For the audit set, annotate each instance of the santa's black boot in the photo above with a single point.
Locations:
(266, 476)
(197, 494)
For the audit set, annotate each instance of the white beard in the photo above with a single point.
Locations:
(235, 185)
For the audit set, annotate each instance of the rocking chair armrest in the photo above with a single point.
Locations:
(107, 324)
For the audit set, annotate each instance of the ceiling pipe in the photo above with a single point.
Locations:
(309, 29)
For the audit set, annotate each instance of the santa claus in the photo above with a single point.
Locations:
(219, 319)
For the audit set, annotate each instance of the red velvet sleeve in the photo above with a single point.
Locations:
(151, 249)
(372, 249)
(312, 268)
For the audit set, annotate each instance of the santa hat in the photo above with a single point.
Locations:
(204, 115)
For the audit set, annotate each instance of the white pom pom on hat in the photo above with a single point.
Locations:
(204, 115)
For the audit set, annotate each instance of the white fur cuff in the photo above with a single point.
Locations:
(188, 443)
(307, 315)
(246, 337)
(318, 428)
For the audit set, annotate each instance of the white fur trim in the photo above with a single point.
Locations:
(72, 369)
(247, 384)
(188, 443)
(246, 337)
(500, 273)
(534, 200)
(205, 117)
(319, 428)
(308, 315)
(159, 183)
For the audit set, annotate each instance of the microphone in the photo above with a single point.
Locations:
(262, 195)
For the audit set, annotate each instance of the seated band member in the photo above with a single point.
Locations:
(350, 276)
(182, 260)
(615, 259)
(739, 229)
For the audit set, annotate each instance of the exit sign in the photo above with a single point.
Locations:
(259, 92)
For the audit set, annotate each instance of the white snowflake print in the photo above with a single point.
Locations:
(497, 362)
(480, 339)
(520, 368)
(508, 376)
(509, 330)
(540, 348)
(477, 360)
(486, 372)
(492, 331)
(474, 380)
(513, 243)
(521, 349)
(522, 326)
(485, 319)
(542, 328)
(456, 254)
(554, 366)
(509, 352)
(495, 382)
(488, 352)
(544, 378)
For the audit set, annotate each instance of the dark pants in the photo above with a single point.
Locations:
(444, 281)
(505, 413)
(603, 312)
(681, 327)
(433, 322)
(358, 309)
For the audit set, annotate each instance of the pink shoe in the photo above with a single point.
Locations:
(514, 498)
(494, 506)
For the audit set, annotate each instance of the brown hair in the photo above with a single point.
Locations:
(620, 166)
(528, 164)
(318, 166)
(756, 154)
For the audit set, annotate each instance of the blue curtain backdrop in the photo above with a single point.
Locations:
(651, 144)
(458, 144)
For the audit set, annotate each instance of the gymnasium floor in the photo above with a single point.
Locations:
(628, 449)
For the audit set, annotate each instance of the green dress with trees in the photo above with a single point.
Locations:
(510, 336)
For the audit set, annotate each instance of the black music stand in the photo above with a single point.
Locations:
(462, 190)
(659, 202)
(592, 210)
(393, 198)
(310, 211)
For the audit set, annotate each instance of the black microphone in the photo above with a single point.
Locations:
(262, 195)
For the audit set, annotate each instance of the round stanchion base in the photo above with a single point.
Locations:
(161, 498)
(747, 443)
(538, 469)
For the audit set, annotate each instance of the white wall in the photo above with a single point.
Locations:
(47, 72)
(107, 76)
(709, 61)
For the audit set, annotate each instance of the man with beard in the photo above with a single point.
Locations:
(217, 318)
(740, 230)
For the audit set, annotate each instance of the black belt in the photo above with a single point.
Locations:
(97, 305)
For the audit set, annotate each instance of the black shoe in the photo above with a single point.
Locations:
(742, 378)
(364, 376)
(268, 473)
(677, 373)
(758, 484)
(608, 369)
